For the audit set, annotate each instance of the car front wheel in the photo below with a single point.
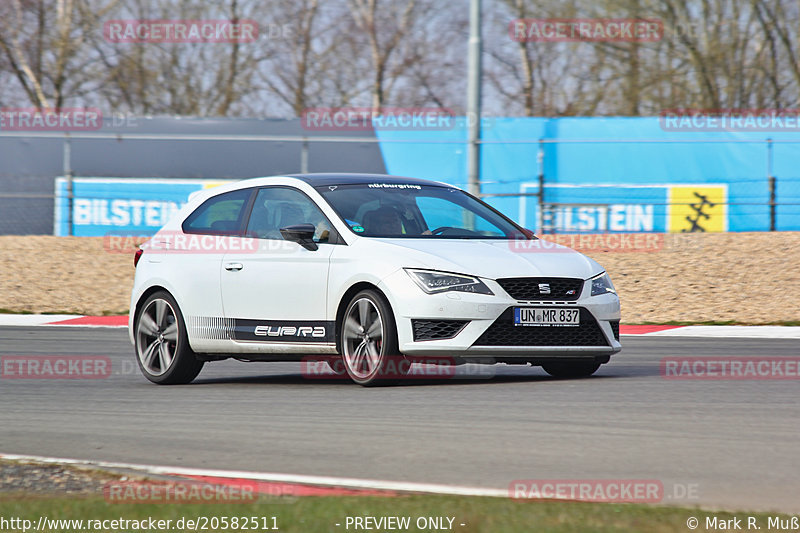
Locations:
(162, 347)
(368, 341)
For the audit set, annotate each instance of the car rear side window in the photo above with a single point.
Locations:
(219, 215)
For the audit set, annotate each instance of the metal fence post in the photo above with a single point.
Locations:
(772, 186)
(540, 161)
(474, 78)
(304, 157)
(773, 205)
(67, 170)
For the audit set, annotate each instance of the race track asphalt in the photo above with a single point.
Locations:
(715, 443)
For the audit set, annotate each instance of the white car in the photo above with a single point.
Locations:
(369, 272)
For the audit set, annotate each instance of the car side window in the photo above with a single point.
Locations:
(219, 215)
(279, 207)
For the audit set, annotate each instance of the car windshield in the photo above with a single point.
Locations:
(409, 210)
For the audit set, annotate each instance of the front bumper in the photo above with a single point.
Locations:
(486, 333)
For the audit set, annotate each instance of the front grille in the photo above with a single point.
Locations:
(615, 328)
(503, 332)
(434, 330)
(561, 289)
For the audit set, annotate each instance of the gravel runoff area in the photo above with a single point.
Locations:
(747, 278)
(52, 479)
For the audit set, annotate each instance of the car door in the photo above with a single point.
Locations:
(278, 296)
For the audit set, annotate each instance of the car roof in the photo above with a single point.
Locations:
(343, 178)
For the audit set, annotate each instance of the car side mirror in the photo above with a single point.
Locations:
(302, 234)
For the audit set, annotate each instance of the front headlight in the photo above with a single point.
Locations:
(434, 282)
(601, 284)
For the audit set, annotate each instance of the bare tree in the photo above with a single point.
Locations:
(776, 24)
(713, 54)
(186, 78)
(385, 26)
(44, 43)
(303, 67)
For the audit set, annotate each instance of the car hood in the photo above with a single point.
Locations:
(489, 258)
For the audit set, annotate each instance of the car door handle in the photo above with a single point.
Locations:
(233, 267)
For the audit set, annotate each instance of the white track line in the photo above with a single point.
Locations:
(48, 320)
(80, 326)
(32, 320)
(326, 481)
(753, 332)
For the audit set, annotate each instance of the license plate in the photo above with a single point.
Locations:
(546, 316)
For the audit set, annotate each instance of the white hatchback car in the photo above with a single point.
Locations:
(365, 271)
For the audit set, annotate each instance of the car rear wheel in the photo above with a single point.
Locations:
(572, 369)
(162, 347)
(368, 341)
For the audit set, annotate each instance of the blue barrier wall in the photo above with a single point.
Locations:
(601, 174)
(647, 178)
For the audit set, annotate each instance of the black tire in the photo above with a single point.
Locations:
(368, 341)
(162, 346)
(571, 369)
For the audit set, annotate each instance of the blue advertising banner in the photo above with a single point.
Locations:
(121, 206)
(604, 208)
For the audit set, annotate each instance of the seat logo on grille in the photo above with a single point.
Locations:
(544, 288)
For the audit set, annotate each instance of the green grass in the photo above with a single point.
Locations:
(321, 514)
